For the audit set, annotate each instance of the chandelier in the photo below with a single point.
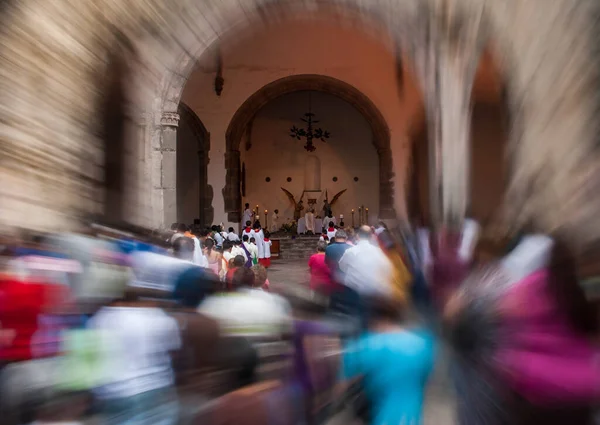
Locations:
(309, 133)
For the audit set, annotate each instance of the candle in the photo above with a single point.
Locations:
(266, 223)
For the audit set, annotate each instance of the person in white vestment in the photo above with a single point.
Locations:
(248, 214)
(275, 221)
(328, 220)
(309, 220)
(331, 230)
(260, 240)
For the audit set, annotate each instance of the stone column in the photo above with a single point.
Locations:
(164, 171)
(232, 194)
(386, 186)
(446, 49)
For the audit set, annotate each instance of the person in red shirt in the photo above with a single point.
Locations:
(320, 274)
(238, 262)
(22, 304)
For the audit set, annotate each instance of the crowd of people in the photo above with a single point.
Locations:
(179, 327)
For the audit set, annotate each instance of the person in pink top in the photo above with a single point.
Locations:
(320, 274)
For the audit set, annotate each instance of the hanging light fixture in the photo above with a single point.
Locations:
(309, 132)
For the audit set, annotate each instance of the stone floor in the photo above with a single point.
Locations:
(439, 401)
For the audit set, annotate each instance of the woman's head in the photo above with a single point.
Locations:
(238, 261)
(260, 275)
(209, 244)
(243, 278)
(321, 246)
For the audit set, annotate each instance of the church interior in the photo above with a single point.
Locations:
(247, 92)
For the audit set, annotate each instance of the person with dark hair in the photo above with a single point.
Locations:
(213, 257)
(331, 230)
(183, 248)
(232, 236)
(179, 232)
(238, 262)
(320, 274)
(248, 230)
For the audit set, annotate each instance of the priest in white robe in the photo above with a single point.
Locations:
(309, 219)
(275, 221)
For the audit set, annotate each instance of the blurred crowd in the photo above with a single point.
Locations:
(183, 326)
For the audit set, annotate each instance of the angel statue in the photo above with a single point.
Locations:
(298, 206)
(327, 212)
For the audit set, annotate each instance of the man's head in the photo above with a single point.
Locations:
(256, 225)
(321, 246)
(276, 211)
(182, 228)
(227, 246)
(231, 230)
(364, 233)
(245, 238)
(267, 234)
(243, 278)
(331, 224)
(247, 205)
(253, 240)
(239, 261)
(248, 223)
(174, 226)
(341, 236)
(204, 234)
(183, 248)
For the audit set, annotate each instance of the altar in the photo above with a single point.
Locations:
(302, 225)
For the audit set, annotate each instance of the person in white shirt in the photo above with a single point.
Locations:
(248, 214)
(249, 311)
(366, 268)
(251, 247)
(238, 250)
(137, 340)
(227, 251)
(232, 236)
(260, 239)
(309, 220)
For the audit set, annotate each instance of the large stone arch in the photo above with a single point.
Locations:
(310, 82)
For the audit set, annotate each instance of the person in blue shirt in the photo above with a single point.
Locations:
(394, 363)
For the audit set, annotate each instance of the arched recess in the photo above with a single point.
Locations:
(114, 114)
(193, 146)
(308, 82)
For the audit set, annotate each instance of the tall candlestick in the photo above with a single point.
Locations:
(353, 218)
(266, 222)
(367, 216)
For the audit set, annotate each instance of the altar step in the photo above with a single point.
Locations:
(300, 248)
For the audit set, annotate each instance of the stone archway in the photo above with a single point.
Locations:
(309, 82)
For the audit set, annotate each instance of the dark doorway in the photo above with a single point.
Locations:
(113, 139)
(194, 194)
